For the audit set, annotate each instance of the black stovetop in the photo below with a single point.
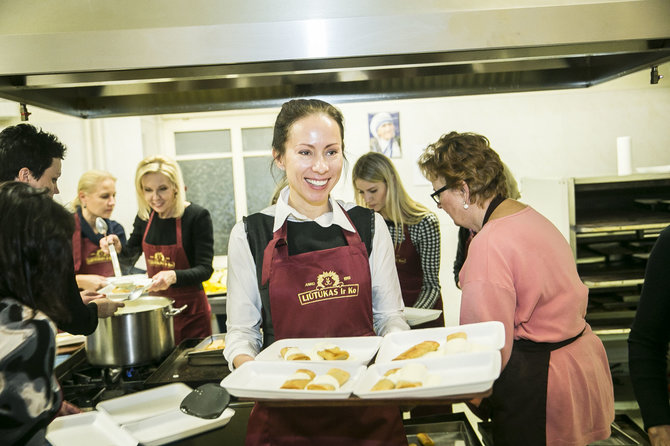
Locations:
(85, 385)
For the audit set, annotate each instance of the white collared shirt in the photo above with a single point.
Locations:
(243, 305)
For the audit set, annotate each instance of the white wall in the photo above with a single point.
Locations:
(538, 134)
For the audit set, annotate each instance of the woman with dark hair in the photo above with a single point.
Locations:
(414, 229)
(36, 265)
(284, 250)
(555, 387)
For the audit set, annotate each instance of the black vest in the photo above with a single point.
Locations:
(302, 237)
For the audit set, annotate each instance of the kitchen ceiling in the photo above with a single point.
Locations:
(101, 59)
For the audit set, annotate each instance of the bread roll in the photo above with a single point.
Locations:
(383, 384)
(418, 350)
(333, 354)
(457, 335)
(424, 439)
(293, 354)
(299, 379)
(332, 380)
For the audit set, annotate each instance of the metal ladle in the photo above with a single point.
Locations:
(137, 292)
(101, 227)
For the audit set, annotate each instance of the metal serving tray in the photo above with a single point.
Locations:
(200, 356)
(445, 430)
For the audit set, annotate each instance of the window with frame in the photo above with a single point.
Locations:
(226, 168)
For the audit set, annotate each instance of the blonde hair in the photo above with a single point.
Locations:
(399, 207)
(170, 169)
(89, 182)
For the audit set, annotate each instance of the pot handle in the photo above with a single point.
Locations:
(176, 311)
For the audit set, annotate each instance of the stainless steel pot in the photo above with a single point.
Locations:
(139, 333)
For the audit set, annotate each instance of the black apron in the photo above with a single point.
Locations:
(518, 404)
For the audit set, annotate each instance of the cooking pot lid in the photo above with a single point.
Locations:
(207, 401)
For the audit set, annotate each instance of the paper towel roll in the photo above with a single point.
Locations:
(623, 152)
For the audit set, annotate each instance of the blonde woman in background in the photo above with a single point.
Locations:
(177, 240)
(414, 229)
(96, 197)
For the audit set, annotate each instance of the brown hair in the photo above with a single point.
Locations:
(296, 109)
(468, 157)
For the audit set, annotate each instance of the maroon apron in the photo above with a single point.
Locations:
(410, 273)
(88, 257)
(195, 320)
(321, 294)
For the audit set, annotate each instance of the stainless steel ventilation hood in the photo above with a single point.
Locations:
(92, 58)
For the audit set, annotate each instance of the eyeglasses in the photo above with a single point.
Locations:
(436, 195)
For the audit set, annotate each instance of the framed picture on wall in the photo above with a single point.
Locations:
(385, 133)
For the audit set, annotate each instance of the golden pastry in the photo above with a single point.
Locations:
(424, 439)
(457, 335)
(383, 384)
(299, 379)
(332, 380)
(217, 344)
(418, 350)
(333, 354)
(293, 354)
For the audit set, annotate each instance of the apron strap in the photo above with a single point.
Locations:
(76, 243)
(278, 240)
(492, 207)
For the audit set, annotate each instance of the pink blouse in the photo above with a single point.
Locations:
(520, 270)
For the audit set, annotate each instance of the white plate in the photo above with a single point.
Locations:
(88, 428)
(145, 404)
(416, 316)
(361, 348)
(263, 379)
(173, 426)
(457, 375)
(63, 339)
(131, 282)
(481, 336)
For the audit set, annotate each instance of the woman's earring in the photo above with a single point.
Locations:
(465, 205)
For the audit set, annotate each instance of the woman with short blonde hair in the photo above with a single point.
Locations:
(96, 198)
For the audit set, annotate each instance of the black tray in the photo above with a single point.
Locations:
(176, 368)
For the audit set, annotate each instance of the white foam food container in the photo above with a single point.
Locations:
(416, 316)
(150, 417)
(88, 428)
(361, 349)
(263, 380)
(172, 426)
(449, 376)
(481, 336)
(145, 404)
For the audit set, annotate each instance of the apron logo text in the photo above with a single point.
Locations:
(98, 257)
(161, 261)
(328, 286)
